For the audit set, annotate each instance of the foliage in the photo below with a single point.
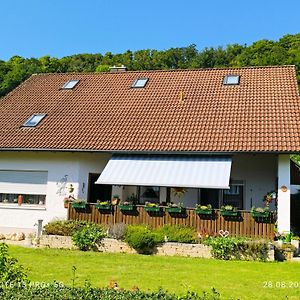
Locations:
(285, 51)
(142, 239)
(60, 292)
(203, 207)
(87, 237)
(151, 204)
(63, 227)
(228, 248)
(260, 209)
(117, 231)
(10, 270)
(177, 233)
(228, 208)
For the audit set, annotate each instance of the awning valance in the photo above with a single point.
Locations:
(169, 171)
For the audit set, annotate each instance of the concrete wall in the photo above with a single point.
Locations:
(75, 165)
(259, 173)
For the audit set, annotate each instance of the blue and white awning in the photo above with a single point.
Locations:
(168, 171)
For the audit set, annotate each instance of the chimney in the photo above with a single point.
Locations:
(118, 69)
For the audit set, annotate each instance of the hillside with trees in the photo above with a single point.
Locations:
(285, 51)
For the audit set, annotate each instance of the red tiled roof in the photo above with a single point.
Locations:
(103, 112)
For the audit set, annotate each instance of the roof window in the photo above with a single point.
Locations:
(34, 120)
(69, 85)
(231, 80)
(140, 83)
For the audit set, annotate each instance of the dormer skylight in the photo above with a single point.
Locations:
(140, 83)
(69, 85)
(231, 80)
(34, 120)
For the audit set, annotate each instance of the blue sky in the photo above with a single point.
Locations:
(35, 28)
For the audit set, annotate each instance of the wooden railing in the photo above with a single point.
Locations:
(242, 225)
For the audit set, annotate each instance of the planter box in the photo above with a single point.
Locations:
(127, 207)
(103, 207)
(199, 211)
(228, 213)
(177, 210)
(152, 208)
(78, 205)
(256, 214)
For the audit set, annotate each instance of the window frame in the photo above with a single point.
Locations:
(65, 86)
(135, 86)
(27, 122)
(226, 78)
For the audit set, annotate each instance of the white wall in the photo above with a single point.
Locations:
(259, 173)
(75, 165)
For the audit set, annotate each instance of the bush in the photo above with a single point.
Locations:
(59, 292)
(64, 227)
(10, 270)
(238, 248)
(142, 239)
(117, 231)
(177, 233)
(87, 237)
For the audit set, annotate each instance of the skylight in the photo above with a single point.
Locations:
(231, 80)
(140, 83)
(69, 85)
(34, 120)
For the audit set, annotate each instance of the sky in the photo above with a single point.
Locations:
(35, 28)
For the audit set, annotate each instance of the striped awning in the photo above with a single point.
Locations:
(169, 171)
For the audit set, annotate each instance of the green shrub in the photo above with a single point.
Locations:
(87, 237)
(142, 239)
(63, 227)
(238, 248)
(10, 270)
(177, 233)
(60, 292)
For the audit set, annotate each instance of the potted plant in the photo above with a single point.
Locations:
(260, 212)
(175, 208)
(79, 204)
(20, 200)
(152, 207)
(103, 205)
(67, 200)
(295, 243)
(115, 199)
(228, 211)
(126, 206)
(203, 209)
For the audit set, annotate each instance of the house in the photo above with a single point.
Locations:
(217, 136)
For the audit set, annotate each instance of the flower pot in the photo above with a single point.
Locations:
(199, 211)
(130, 207)
(78, 205)
(103, 206)
(228, 213)
(256, 214)
(20, 200)
(152, 208)
(66, 204)
(177, 210)
(115, 201)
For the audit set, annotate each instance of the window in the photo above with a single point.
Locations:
(70, 84)
(28, 187)
(140, 83)
(231, 80)
(234, 195)
(34, 120)
(148, 194)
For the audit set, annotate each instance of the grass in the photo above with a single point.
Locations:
(232, 279)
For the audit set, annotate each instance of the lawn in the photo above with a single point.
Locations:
(232, 279)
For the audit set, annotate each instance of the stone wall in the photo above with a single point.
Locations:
(115, 246)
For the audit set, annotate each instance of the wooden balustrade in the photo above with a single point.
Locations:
(242, 225)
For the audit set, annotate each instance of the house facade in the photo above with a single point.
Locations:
(219, 136)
